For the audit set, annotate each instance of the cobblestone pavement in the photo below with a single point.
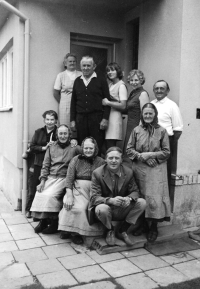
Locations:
(26, 257)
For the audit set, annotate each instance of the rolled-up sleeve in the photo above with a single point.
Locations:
(177, 122)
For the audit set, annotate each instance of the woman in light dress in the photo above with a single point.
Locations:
(73, 217)
(63, 87)
(118, 94)
(148, 148)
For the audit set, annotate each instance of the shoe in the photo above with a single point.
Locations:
(77, 239)
(64, 235)
(36, 220)
(41, 226)
(28, 215)
(124, 237)
(110, 238)
(152, 236)
(52, 228)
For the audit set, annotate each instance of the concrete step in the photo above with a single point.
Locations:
(165, 233)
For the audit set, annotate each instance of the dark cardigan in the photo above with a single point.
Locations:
(88, 99)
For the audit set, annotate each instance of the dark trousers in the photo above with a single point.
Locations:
(89, 125)
(33, 182)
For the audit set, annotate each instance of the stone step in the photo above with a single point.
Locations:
(165, 233)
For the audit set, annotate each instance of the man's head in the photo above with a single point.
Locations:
(114, 158)
(87, 66)
(161, 89)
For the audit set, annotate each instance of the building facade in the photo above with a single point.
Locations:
(160, 37)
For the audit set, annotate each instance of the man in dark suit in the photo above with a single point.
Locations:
(87, 114)
(115, 196)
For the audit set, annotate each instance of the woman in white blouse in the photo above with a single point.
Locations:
(63, 87)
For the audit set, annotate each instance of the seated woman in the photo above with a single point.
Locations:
(148, 148)
(73, 216)
(48, 199)
(43, 138)
(118, 94)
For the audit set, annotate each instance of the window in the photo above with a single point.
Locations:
(6, 80)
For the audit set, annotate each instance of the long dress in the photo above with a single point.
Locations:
(134, 112)
(78, 180)
(64, 82)
(114, 130)
(152, 181)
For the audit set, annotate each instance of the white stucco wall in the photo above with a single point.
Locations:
(189, 101)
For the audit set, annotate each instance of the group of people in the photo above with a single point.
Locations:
(79, 183)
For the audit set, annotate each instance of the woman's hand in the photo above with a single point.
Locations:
(151, 162)
(73, 143)
(40, 187)
(48, 145)
(144, 156)
(69, 202)
(105, 102)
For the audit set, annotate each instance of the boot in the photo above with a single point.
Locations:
(41, 226)
(52, 228)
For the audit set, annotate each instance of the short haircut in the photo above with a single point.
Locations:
(167, 85)
(70, 55)
(50, 112)
(88, 57)
(111, 149)
(115, 66)
(139, 74)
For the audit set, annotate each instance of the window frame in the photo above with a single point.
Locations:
(6, 81)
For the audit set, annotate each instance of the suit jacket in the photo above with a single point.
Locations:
(101, 185)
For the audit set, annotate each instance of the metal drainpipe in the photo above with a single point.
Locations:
(12, 9)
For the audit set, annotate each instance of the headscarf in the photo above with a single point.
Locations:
(154, 124)
(66, 144)
(82, 156)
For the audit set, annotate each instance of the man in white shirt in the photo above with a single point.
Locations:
(169, 117)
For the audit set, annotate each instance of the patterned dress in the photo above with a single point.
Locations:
(134, 112)
(78, 180)
(114, 130)
(64, 82)
(152, 181)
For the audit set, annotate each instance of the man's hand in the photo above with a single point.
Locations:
(73, 125)
(68, 204)
(126, 202)
(104, 124)
(73, 143)
(117, 201)
(105, 102)
(177, 134)
(151, 162)
(40, 187)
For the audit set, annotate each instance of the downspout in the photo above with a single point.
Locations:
(22, 17)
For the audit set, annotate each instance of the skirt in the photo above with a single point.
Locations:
(153, 186)
(114, 130)
(64, 108)
(50, 199)
(76, 219)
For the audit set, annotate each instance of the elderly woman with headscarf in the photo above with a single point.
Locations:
(73, 217)
(48, 199)
(148, 148)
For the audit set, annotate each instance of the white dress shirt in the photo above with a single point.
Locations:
(169, 115)
(87, 80)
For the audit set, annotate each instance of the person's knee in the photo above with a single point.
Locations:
(141, 203)
(102, 210)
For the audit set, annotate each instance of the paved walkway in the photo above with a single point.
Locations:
(26, 257)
